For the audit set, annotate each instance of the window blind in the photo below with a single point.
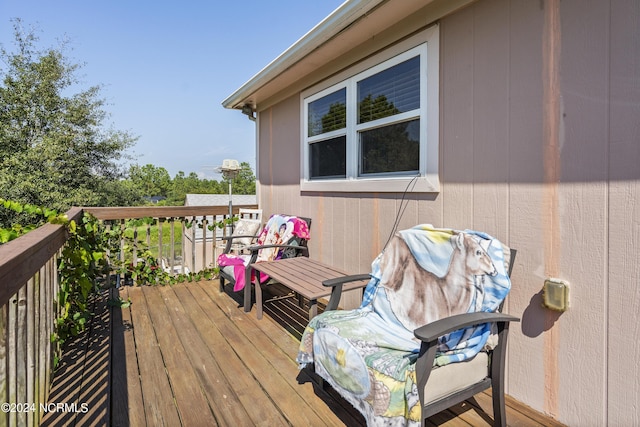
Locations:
(392, 91)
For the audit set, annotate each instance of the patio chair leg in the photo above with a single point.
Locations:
(499, 410)
(258, 299)
(247, 296)
(313, 308)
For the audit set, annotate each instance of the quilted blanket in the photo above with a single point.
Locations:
(279, 230)
(424, 274)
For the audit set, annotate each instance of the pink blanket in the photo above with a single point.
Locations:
(279, 230)
(238, 263)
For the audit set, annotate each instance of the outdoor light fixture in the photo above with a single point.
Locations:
(555, 294)
(229, 169)
(248, 110)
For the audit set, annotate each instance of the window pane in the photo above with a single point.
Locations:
(328, 113)
(328, 159)
(394, 148)
(392, 91)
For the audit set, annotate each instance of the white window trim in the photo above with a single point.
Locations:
(425, 43)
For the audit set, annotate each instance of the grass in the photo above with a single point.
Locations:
(148, 236)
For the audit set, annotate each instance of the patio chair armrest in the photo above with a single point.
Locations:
(429, 335)
(229, 241)
(256, 248)
(431, 332)
(346, 279)
(336, 285)
(238, 236)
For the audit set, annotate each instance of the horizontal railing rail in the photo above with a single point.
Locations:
(21, 258)
(133, 212)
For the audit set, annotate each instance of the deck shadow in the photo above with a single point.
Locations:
(81, 389)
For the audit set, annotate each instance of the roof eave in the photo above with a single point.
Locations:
(345, 15)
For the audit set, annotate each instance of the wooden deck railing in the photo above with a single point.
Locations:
(29, 285)
(189, 249)
(28, 293)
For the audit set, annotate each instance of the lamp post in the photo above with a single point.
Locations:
(230, 169)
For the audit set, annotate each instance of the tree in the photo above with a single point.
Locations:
(181, 185)
(184, 184)
(336, 117)
(151, 180)
(245, 182)
(55, 149)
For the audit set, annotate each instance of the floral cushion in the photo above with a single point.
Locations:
(245, 227)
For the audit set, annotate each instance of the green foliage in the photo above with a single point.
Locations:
(119, 302)
(151, 180)
(245, 182)
(55, 149)
(390, 148)
(373, 109)
(335, 118)
(35, 215)
(183, 184)
(84, 262)
(144, 269)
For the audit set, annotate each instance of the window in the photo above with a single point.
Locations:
(376, 129)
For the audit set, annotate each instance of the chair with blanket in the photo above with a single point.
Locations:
(428, 334)
(283, 236)
(246, 231)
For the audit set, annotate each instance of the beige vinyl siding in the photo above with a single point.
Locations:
(499, 139)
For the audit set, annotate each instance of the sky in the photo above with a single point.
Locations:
(166, 66)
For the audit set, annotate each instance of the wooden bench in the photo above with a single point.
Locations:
(310, 279)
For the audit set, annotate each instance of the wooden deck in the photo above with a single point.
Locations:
(188, 355)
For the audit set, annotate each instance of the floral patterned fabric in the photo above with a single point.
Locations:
(368, 354)
(279, 230)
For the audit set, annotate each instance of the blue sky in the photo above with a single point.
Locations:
(166, 65)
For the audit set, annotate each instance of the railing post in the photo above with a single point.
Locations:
(172, 247)
(30, 361)
(193, 243)
(121, 254)
(44, 342)
(107, 226)
(21, 349)
(134, 252)
(148, 235)
(12, 364)
(4, 316)
(204, 242)
(182, 244)
(214, 238)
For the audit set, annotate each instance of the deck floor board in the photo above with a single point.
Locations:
(189, 355)
(232, 367)
(157, 394)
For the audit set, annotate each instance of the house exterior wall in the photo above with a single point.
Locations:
(540, 147)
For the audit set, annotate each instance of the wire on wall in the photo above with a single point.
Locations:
(401, 209)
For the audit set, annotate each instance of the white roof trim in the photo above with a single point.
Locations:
(346, 14)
